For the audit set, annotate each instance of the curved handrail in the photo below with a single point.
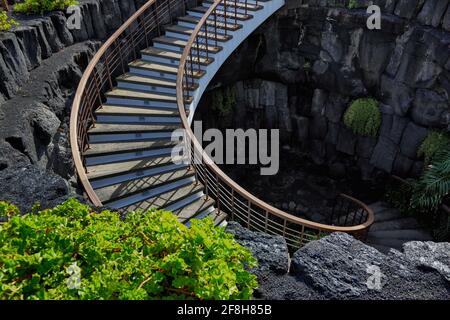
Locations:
(212, 171)
(99, 75)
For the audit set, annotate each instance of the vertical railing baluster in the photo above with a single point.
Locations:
(225, 16)
(232, 204)
(249, 208)
(217, 193)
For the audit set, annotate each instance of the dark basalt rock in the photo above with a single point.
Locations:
(28, 185)
(339, 267)
(270, 251)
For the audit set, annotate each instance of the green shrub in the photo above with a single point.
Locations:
(435, 141)
(8, 210)
(434, 184)
(42, 6)
(71, 252)
(363, 117)
(353, 4)
(6, 22)
(224, 100)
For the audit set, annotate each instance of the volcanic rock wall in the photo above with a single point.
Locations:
(305, 65)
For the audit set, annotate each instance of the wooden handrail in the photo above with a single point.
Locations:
(89, 96)
(75, 135)
(181, 76)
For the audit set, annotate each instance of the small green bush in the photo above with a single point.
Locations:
(224, 100)
(435, 141)
(6, 22)
(434, 184)
(71, 252)
(7, 209)
(43, 6)
(363, 117)
(353, 4)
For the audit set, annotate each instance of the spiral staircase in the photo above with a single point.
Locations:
(143, 85)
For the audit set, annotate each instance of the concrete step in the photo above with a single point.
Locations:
(113, 169)
(128, 97)
(404, 234)
(149, 84)
(185, 33)
(387, 215)
(193, 209)
(190, 21)
(230, 14)
(118, 114)
(167, 198)
(396, 224)
(154, 69)
(175, 44)
(122, 147)
(241, 6)
(124, 132)
(135, 183)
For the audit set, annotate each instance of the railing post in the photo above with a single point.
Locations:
(215, 26)
(218, 192)
(249, 204)
(232, 204)
(266, 221)
(225, 15)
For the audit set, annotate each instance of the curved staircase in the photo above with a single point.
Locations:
(144, 84)
(129, 162)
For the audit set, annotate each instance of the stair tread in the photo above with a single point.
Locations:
(162, 68)
(162, 52)
(194, 208)
(159, 67)
(111, 169)
(134, 94)
(151, 81)
(103, 128)
(188, 31)
(131, 187)
(404, 234)
(130, 110)
(131, 146)
(210, 22)
(165, 199)
(396, 224)
(241, 5)
(230, 14)
(182, 43)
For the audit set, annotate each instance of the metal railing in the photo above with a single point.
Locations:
(123, 47)
(110, 61)
(230, 198)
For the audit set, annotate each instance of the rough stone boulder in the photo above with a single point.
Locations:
(270, 251)
(27, 185)
(273, 264)
(341, 267)
(429, 255)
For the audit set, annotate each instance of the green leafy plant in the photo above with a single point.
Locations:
(435, 141)
(42, 6)
(72, 252)
(6, 22)
(353, 4)
(7, 209)
(363, 117)
(224, 100)
(434, 184)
